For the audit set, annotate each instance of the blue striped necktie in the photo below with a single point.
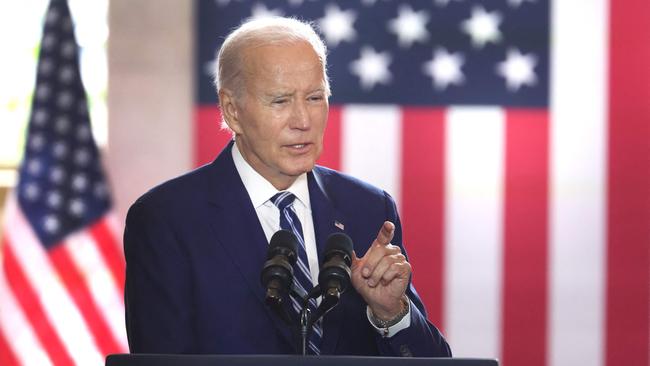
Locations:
(302, 277)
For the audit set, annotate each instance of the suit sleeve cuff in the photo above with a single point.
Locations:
(392, 330)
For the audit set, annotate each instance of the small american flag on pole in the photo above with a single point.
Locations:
(62, 276)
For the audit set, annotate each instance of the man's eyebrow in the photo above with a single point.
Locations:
(283, 93)
(278, 94)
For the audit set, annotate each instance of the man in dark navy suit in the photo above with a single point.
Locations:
(195, 245)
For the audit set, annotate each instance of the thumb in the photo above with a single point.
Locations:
(356, 261)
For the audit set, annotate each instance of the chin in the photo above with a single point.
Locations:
(298, 168)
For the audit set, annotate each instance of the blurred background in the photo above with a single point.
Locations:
(513, 134)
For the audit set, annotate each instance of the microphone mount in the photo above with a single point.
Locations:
(333, 280)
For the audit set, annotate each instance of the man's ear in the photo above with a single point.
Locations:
(229, 109)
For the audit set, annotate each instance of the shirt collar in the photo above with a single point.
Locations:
(261, 190)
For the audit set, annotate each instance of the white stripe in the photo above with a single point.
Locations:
(282, 197)
(301, 264)
(303, 270)
(314, 348)
(318, 330)
(82, 248)
(473, 212)
(298, 285)
(17, 330)
(60, 310)
(115, 226)
(294, 229)
(297, 306)
(577, 182)
(372, 145)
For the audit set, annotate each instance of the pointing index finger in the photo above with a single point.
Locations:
(378, 249)
(385, 234)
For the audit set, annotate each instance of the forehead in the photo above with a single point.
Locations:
(280, 63)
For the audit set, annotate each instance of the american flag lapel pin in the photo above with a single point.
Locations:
(339, 225)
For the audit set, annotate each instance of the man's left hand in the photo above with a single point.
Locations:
(382, 275)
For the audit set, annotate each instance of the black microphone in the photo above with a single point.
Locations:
(277, 273)
(334, 276)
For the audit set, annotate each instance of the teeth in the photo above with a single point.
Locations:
(299, 146)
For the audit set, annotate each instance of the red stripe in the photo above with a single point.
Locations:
(80, 294)
(628, 211)
(423, 167)
(331, 155)
(108, 247)
(209, 137)
(7, 356)
(31, 305)
(525, 238)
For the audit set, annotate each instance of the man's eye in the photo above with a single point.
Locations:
(279, 101)
(316, 98)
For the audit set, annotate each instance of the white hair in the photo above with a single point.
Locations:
(260, 32)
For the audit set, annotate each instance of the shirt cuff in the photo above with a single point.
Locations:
(392, 330)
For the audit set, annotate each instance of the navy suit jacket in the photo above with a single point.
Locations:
(195, 249)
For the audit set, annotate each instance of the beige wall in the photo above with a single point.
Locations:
(150, 95)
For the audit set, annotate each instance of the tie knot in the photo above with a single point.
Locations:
(283, 200)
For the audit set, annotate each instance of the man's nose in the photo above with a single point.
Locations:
(300, 116)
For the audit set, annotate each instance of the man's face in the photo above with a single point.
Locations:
(281, 115)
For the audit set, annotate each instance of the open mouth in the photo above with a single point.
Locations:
(298, 146)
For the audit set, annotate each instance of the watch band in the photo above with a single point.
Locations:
(385, 324)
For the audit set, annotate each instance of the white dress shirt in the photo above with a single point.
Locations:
(261, 191)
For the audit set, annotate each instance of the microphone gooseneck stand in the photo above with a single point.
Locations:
(304, 329)
(308, 319)
(333, 280)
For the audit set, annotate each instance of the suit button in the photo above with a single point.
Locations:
(405, 351)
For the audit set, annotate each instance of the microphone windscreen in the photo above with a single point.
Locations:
(341, 243)
(282, 241)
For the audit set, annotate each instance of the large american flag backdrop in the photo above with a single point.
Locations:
(514, 136)
(62, 269)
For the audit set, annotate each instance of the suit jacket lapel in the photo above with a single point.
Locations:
(239, 231)
(325, 217)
